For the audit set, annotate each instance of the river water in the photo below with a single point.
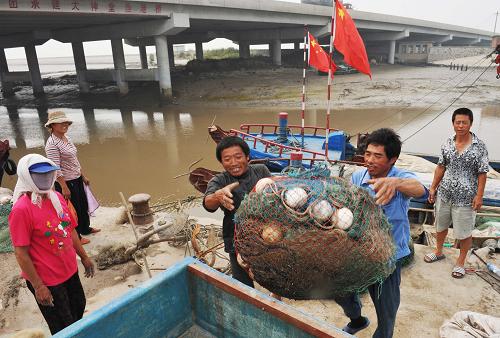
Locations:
(141, 151)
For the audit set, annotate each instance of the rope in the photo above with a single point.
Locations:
(453, 102)
(439, 99)
(473, 68)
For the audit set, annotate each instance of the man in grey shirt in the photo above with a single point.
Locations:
(227, 190)
(459, 181)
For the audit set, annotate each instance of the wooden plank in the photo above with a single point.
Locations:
(274, 307)
(492, 280)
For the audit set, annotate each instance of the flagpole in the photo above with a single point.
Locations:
(332, 38)
(304, 85)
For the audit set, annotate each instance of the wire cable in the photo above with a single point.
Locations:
(439, 99)
(473, 68)
(452, 103)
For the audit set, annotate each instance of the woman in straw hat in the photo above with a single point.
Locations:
(46, 243)
(70, 179)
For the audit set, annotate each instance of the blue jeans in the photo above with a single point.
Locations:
(238, 272)
(385, 298)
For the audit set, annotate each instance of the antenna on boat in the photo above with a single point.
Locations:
(304, 85)
(332, 38)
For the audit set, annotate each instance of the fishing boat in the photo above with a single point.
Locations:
(280, 142)
(434, 159)
(190, 299)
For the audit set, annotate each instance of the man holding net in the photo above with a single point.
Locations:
(227, 190)
(392, 189)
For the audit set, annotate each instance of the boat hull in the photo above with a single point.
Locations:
(192, 299)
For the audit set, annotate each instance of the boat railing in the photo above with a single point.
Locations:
(260, 128)
(316, 155)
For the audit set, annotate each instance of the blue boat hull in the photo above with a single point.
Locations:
(338, 149)
(192, 299)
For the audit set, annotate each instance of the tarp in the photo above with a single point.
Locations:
(467, 324)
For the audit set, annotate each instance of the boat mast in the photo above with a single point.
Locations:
(304, 84)
(332, 38)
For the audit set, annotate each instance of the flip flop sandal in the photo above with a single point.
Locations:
(432, 257)
(458, 272)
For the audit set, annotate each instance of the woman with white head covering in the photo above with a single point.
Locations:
(46, 243)
(70, 179)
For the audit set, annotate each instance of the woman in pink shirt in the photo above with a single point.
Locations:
(46, 243)
(70, 179)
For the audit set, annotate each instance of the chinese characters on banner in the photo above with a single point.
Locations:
(110, 6)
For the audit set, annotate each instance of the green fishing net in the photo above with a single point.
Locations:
(5, 243)
(302, 248)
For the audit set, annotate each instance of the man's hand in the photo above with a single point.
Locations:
(225, 197)
(432, 195)
(385, 189)
(477, 202)
(89, 267)
(43, 296)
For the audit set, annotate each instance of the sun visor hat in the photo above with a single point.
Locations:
(43, 167)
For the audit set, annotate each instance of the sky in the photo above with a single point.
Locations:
(478, 14)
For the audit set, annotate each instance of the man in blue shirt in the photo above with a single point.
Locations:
(392, 189)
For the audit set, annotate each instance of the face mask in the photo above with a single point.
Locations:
(43, 181)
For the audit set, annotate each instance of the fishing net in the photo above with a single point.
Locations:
(5, 243)
(310, 246)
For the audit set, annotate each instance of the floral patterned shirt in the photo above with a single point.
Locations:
(459, 183)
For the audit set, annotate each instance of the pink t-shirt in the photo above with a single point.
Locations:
(48, 237)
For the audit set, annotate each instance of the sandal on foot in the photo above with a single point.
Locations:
(432, 257)
(458, 272)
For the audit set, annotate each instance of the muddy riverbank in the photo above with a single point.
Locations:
(391, 85)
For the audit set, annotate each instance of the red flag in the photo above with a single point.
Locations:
(318, 58)
(349, 42)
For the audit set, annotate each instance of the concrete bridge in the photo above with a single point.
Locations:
(163, 23)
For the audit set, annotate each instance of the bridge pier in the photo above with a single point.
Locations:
(143, 56)
(163, 60)
(36, 77)
(392, 52)
(7, 89)
(119, 62)
(244, 49)
(81, 66)
(171, 58)
(276, 52)
(199, 50)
